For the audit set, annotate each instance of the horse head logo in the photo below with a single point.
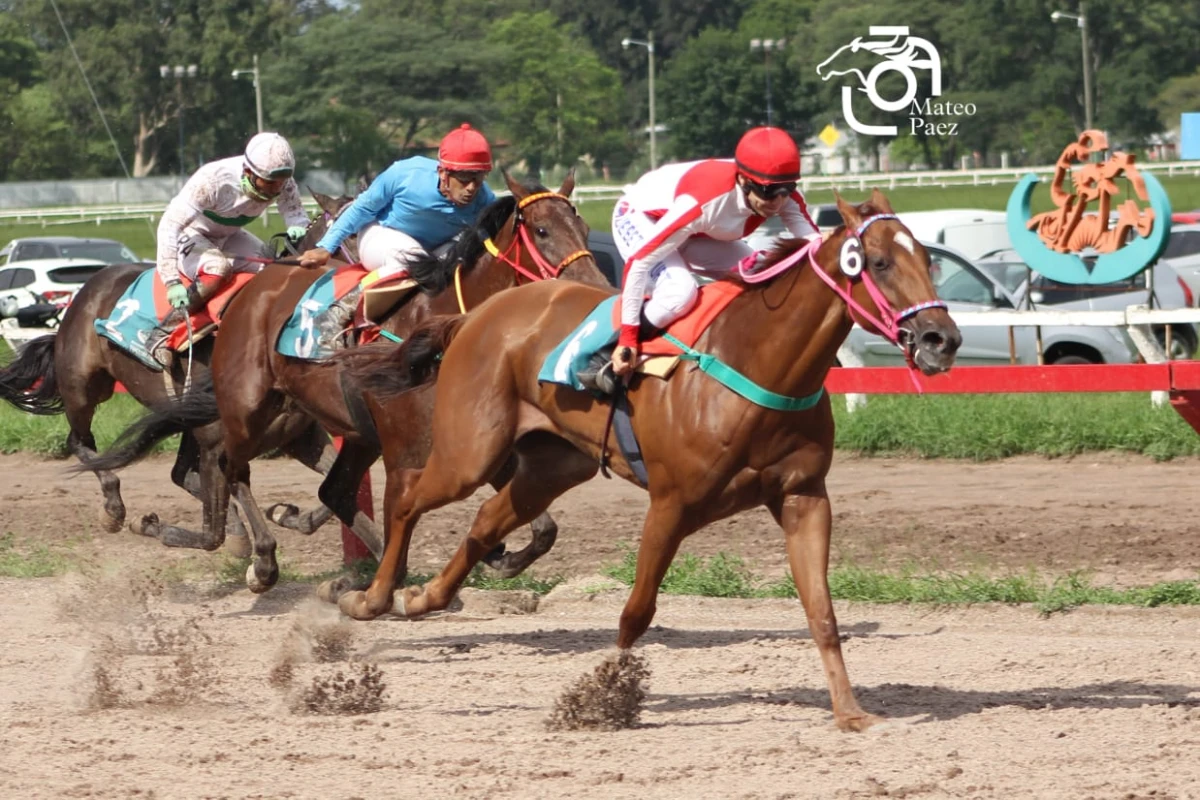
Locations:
(899, 52)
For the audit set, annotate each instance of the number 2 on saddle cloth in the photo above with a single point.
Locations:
(205, 318)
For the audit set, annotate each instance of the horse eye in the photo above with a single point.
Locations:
(542, 232)
(879, 263)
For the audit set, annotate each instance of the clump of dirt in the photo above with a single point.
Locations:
(342, 694)
(282, 674)
(609, 699)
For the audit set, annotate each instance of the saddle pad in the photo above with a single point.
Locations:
(601, 327)
(144, 305)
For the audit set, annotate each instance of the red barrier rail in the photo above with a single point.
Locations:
(1180, 378)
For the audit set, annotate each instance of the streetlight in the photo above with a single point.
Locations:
(767, 45)
(179, 71)
(649, 45)
(257, 89)
(1081, 22)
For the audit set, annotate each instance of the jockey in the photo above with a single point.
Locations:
(685, 218)
(411, 209)
(201, 234)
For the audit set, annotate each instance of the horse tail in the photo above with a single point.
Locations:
(29, 382)
(194, 409)
(385, 370)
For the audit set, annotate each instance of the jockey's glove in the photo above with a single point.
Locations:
(296, 232)
(177, 295)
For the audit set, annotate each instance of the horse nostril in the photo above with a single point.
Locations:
(934, 340)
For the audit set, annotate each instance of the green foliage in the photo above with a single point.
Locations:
(31, 562)
(719, 576)
(26, 433)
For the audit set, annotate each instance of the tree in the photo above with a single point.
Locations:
(1179, 96)
(554, 100)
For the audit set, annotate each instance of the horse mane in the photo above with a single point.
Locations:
(433, 273)
(786, 247)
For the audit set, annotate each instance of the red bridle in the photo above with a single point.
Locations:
(512, 254)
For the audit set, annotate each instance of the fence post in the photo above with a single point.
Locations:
(353, 548)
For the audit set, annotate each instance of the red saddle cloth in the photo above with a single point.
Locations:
(714, 297)
(204, 319)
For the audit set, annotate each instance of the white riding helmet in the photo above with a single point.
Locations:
(269, 156)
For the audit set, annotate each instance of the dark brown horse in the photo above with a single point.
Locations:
(533, 232)
(74, 370)
(708, 451)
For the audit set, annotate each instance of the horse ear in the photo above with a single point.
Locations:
(568, 184)
(880, 201)
(326, 202)
(849, 211)
(514, 185)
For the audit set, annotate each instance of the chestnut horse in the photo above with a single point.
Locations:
(532, 233)
(74, 370)
(708, 451)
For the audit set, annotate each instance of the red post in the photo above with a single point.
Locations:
(353, 548)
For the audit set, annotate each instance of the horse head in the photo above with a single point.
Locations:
(888, 272)
(331, 207)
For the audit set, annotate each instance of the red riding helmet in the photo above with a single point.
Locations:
(464, 149)
(768, 155)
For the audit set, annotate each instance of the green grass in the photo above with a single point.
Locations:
(29, 562)
(26, 433)
(1184, 192)
(727, 576)
(983, 427)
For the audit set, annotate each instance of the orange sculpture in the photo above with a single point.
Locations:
(1066, 229)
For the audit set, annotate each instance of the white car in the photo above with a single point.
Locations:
(43, 280)
(966, 287)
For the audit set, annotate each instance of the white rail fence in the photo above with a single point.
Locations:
(980, 177)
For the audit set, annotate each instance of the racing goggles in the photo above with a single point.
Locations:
(771, 191)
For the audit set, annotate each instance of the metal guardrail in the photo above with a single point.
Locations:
(584, 194)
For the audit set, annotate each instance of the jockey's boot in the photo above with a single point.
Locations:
(331, 323)
(598, 375)
(156, 340)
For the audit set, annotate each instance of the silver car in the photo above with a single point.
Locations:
(966, 287)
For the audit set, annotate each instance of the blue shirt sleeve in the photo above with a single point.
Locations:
(367, 207)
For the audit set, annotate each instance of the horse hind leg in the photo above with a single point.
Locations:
(543, 530)
(314, 450)
(82, 445)
(547, 467)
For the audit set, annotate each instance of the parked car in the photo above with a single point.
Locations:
(110, 251)
(966, 287)
(1183, 254)
(608, 258)
(45, 280)
(974, 232)
(1170, 291)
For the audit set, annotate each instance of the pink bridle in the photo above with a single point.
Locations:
(887, 322)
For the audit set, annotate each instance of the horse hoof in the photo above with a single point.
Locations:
(280, 513)
(254, 584)
(144, 525)
(331, 591)
(238, 546)
(110, 523)
(859, 722)
(356, 605)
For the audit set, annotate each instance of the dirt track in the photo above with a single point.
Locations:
(115, 686)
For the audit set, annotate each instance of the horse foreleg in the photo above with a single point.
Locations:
(213, 493)
(339, 493)
(544, 532)
(807, 520)
(186, 474)
(546, 468)
(263, 572)
(314, 450)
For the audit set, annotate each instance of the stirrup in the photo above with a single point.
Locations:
(598, 375)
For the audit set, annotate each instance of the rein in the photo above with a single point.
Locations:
(512, 254)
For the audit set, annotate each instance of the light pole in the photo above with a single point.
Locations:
(257, 89)
(649, 45)
(1081, 22)
(179, 71)
(767, 45)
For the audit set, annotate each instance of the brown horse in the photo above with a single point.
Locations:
(533, 232)
(708, 451)
(74, 370)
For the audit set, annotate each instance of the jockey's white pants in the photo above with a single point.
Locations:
(218, 258)
(673, 286)
(386, 251)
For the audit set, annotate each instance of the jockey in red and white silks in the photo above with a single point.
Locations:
(201, 234)
(685, 218)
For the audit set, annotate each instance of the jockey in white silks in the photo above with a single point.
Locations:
(201, 235)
